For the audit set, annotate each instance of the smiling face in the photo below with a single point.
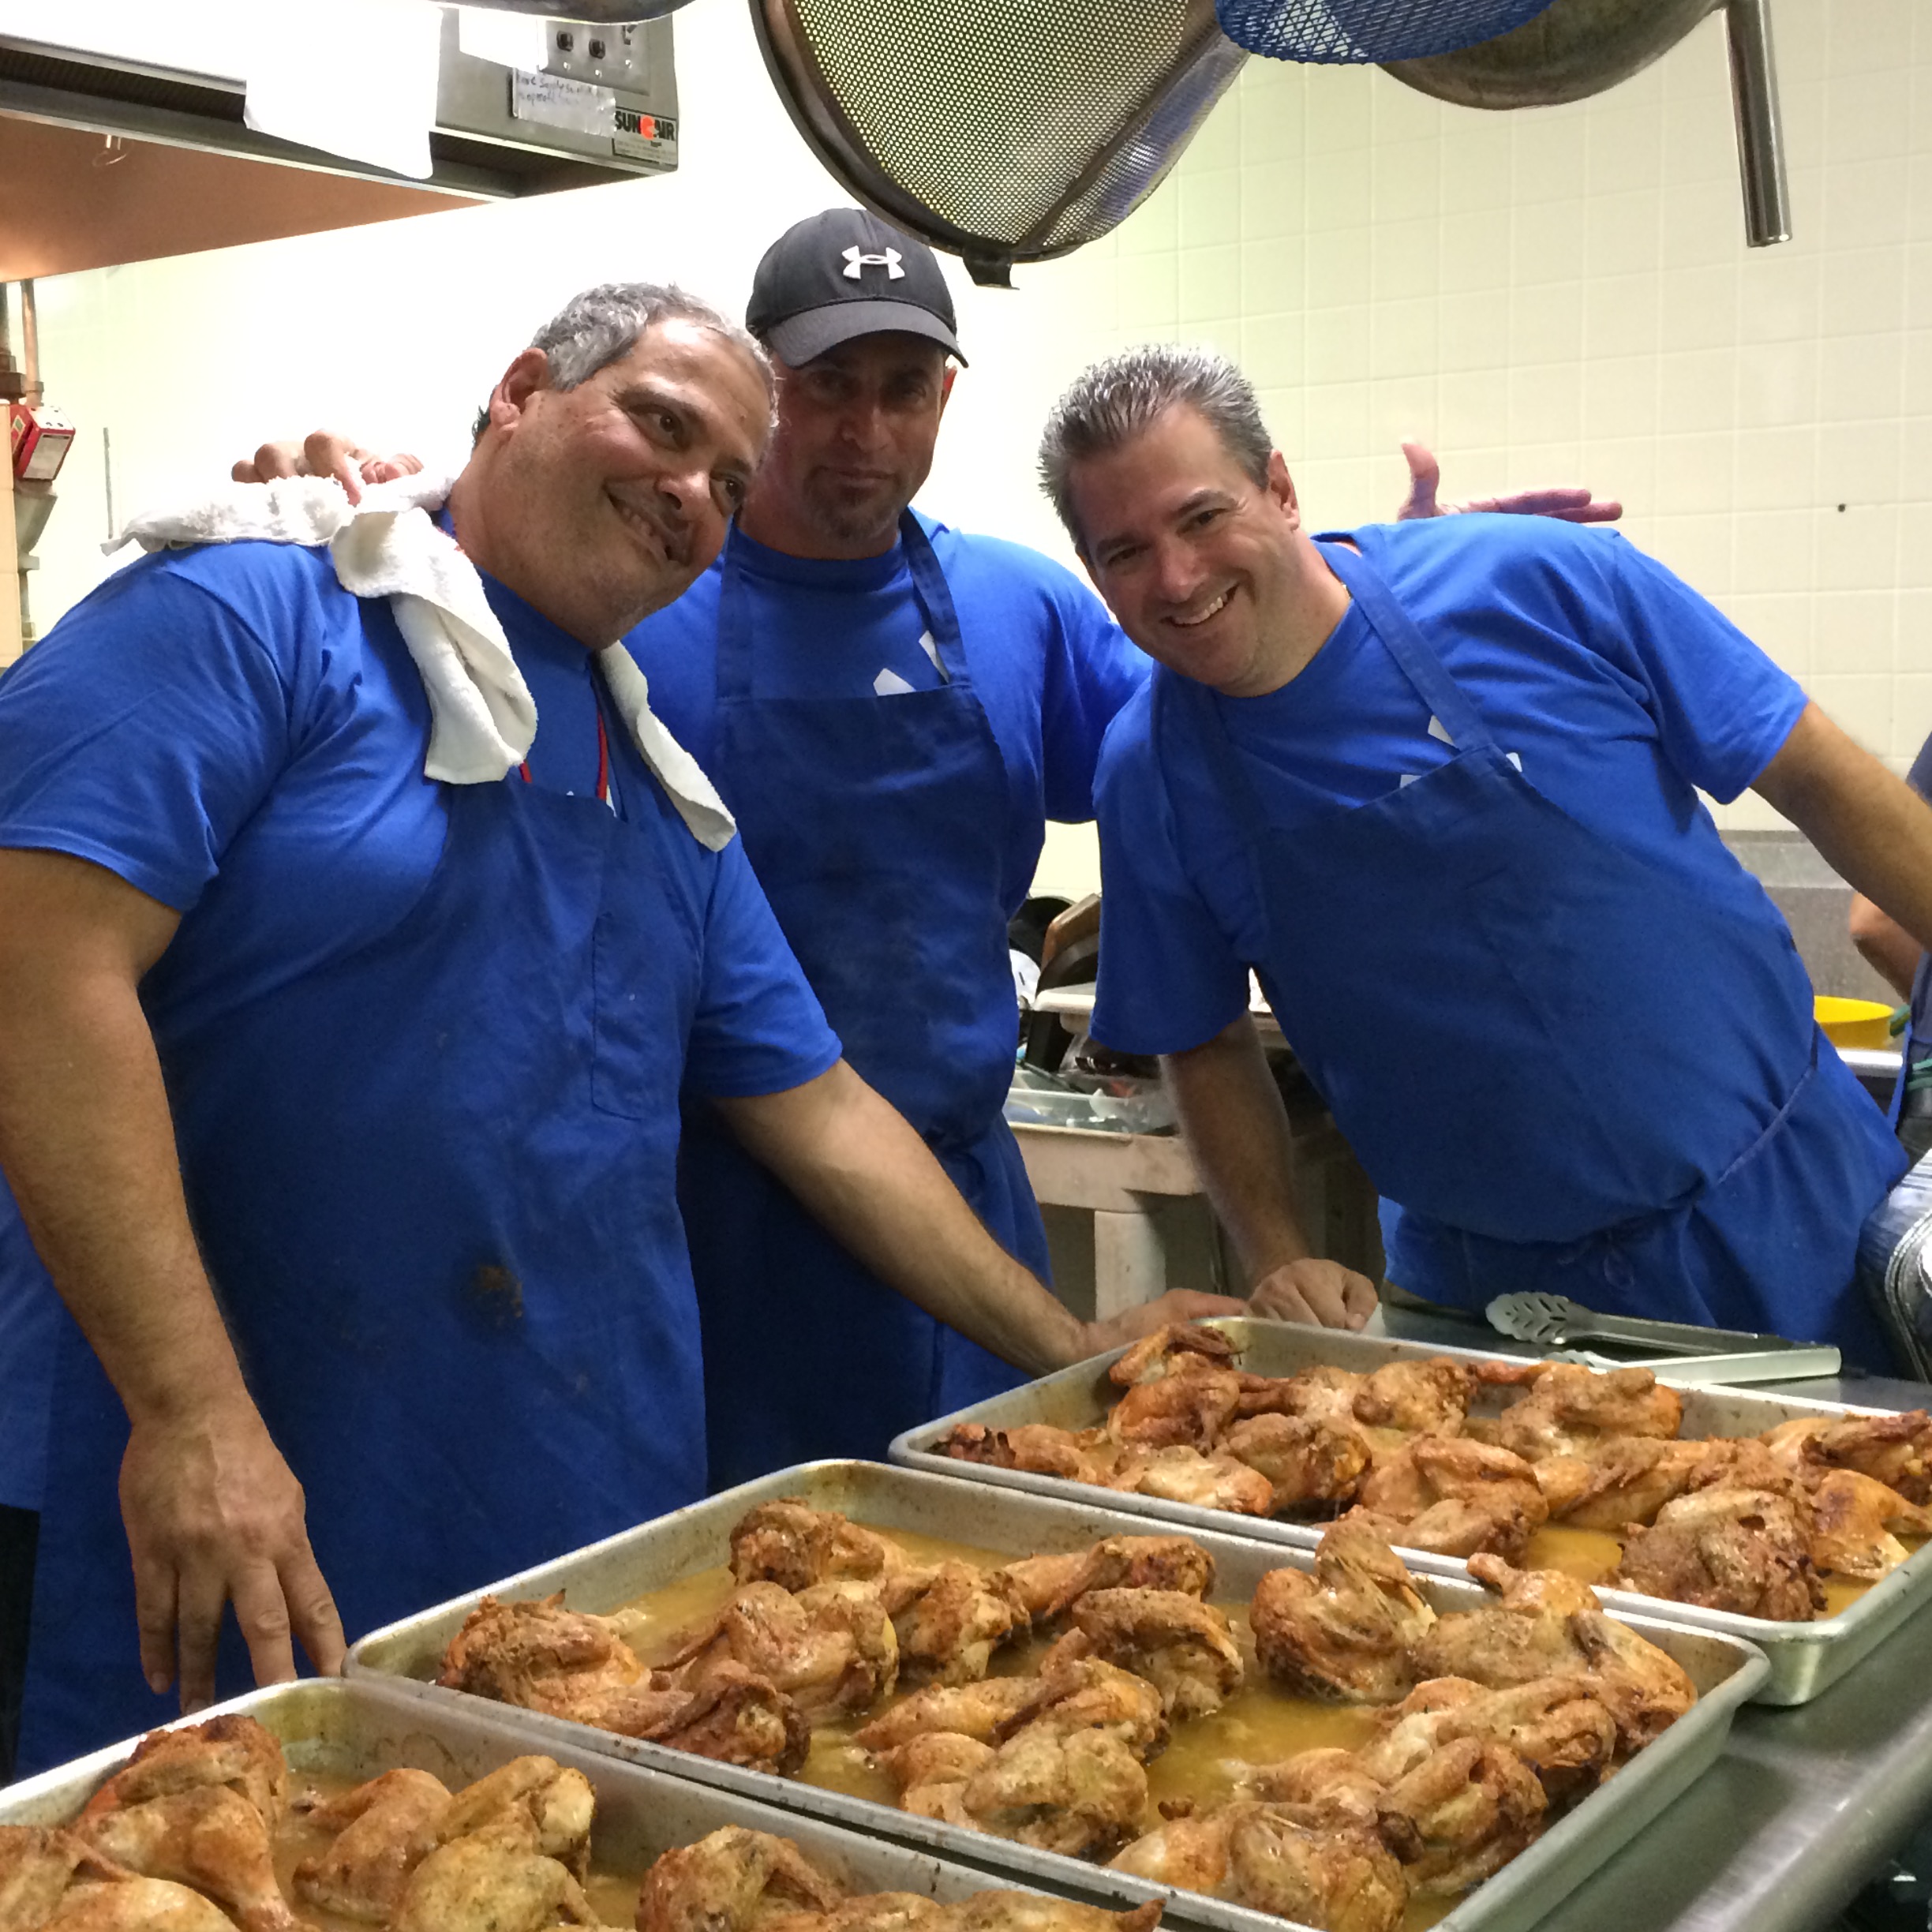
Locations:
(856, 431)
(1206, 571)
(602, 503)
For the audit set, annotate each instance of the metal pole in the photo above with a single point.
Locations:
(1760, 129)
(30, 343)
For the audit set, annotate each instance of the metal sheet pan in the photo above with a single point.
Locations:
(611, 1574)
(1805, 1657)
(357, 1727)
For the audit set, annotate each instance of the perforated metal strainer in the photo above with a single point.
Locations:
(1002, 130)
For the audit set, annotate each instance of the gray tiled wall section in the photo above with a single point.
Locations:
(1815, 901)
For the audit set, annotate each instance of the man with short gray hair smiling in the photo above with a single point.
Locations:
(1436, 783)
(343, 1020)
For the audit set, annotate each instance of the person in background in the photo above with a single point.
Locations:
(1437, 783)
(1891, 951)
(892, 708)
(343, 1019)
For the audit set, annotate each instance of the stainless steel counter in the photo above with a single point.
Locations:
(1805, 1806)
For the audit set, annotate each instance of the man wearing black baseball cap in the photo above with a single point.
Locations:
(893, 709)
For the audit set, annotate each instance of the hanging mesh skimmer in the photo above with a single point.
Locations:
(1002, 130)
(1368, 30)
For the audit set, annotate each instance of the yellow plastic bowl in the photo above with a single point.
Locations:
(1854, 1023)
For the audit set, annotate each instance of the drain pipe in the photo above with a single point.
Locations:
(1760, 130)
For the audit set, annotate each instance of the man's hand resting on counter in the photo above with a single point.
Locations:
(1323, 1294)
(326, 453)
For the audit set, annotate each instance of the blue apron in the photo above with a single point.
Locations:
(1573, 1070)
(873, 825)
(434, 1184)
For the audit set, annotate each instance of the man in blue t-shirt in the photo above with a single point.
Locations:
(343, 1020)
(1437, 784)
(1893, 951)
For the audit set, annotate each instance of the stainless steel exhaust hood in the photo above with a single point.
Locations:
(603, 108)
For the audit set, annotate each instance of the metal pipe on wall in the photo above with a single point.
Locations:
(1760, 130)
(30, 343)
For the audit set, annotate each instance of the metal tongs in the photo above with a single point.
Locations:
(1677, 1351)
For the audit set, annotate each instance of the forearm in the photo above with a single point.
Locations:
(1236, 1129)
(89, 1148)
(868, 1177)
(1872, 828)
(1884, 945)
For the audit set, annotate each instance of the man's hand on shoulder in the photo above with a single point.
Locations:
(1322, 1293)
(1177, 1305)
(326, 453)
(1572, 504)
(215, 1515)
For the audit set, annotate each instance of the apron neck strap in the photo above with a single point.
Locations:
(929, 591)
(1406, 645)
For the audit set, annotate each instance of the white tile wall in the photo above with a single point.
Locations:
(1558, 294)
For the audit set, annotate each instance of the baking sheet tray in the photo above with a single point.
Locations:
(611, 1574)
(1805, 1657)
(356, 1728)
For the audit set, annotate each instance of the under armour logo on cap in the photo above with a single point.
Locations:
(857, 262)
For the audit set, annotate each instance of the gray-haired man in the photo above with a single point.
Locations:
(343, 1018)
(1437, 783)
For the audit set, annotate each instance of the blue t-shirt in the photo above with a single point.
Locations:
(1048, 664)
(233, 734)
(1620, 691)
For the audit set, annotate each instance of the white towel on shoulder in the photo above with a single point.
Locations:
(483, 720)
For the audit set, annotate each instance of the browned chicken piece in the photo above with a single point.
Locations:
(1429, 1398)
(974, 1710)
(1302, 1865)
(1307, 1459)
(1559, 1726)
(1180, 1645)
(1048, 1584)
(1624, 1481)
(792, 1544)
(1747, 1462)
(129, 1905)
(872, 1911)
(948, 1621)
(208, 1837)
(1167, 1350)
(491, 1880)
(731, 1881)
(567, 1664)
(1192, 1404)
(1548, 1624)
(831, 1648)
(1856, 1522)
(1190, 1852)
(1421, 1724)
(1184, 1475)
(1085, 1693)
(1464, 1812)
(1081, 1792)
(1456, 1497)
(383, 1830)
(1570, 1408)
(1032, 1911)
(1037, 1447)
(1332, 1782)
(1323, 1391)
(1345, 1630)
(1895, 1450)
(36, 1862)
(233, 1750)
(532, 1801)
(1746, 1550)
(931, 1772)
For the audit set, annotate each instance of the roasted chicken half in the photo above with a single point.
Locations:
(1344, 1630)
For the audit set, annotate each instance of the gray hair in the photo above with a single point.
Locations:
(1112, 403)
(601, 326)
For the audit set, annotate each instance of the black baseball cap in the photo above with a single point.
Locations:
(846, 273)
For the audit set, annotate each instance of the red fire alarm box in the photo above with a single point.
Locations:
(41, 439)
